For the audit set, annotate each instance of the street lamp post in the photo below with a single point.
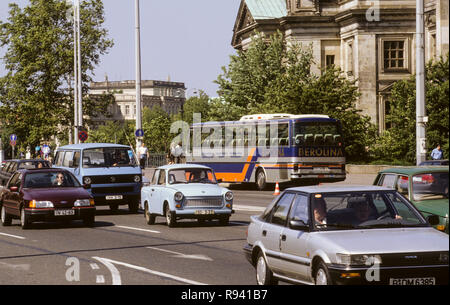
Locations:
(421, 119)
(138, 73)
(77, 88)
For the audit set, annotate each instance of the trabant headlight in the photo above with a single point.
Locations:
(443, 257)
(84, 202)
(178, 196)
(87, 180)
(357, 260)
(137, 178)
(41, 204)
(229, 196)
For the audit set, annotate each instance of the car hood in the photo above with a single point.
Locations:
(436, 207)
(374, 241)
(69, 194)
(198, 189)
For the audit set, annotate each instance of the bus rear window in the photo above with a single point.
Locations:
(317, 133)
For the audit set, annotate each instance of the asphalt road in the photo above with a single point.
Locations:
(123, 249)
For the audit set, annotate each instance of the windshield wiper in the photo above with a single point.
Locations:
(337, 225)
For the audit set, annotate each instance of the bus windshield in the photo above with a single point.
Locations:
(317, 133)
(108, 157)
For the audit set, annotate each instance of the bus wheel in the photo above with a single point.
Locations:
(261, 181)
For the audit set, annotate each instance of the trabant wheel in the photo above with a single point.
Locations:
(170, 218)
(263, 274)
(261, 181)
(322, 276)
(24, 221)
(149, 218)
(5, 218)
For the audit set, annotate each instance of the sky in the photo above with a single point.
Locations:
(182, 40)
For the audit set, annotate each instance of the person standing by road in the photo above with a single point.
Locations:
(143, 155)
(436, 154)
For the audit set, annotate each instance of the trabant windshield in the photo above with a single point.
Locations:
(191, 175)
(50, 180)
(430, 186)
(108, 157)
(334, 211)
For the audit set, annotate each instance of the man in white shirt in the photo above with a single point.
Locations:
(143, 155)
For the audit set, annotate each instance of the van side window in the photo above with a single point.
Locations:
(59, 158)
(68, 156)
(76, 158)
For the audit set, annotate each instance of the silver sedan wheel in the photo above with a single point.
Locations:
(261, 271)
(321, 277)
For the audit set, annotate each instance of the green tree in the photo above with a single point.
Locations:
(36, 96)
(399, 142)
(272, 77)
(196, 104)
(113, 132)
(156, 125)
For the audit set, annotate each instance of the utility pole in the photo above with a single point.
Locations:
(138, 74)
(80, 90)
(421, 118)
(75, 69)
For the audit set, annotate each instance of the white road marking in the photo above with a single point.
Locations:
(94, 267)
(248, 208)
(22, 267)
(138, 229)
(181, 255)
(116, 275)
(116, 280)
(13, 236)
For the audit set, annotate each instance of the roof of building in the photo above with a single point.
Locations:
(267, 9)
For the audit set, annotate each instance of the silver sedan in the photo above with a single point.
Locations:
(346, 235)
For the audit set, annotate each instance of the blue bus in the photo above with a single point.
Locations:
(110, 172)
(270, 148)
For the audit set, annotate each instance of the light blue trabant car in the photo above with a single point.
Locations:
(186, 191)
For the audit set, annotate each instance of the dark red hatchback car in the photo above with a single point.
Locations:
(50, 194)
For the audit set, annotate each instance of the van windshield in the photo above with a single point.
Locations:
(108, 157)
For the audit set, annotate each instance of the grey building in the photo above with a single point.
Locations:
(371, 41)
(170, 96)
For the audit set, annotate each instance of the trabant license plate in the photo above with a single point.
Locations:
(115, 197)
(64, 212)
(204, 212)
(413, 281)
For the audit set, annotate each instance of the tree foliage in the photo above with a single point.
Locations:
(399, 143)
(274, 77)
(36, 96)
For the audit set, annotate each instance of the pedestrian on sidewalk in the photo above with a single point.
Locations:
(143, 155)
(436, 154)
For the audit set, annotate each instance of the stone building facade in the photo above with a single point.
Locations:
(371, 41)
(170, 96)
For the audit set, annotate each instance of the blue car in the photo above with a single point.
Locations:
(182, 191)
(109, 171)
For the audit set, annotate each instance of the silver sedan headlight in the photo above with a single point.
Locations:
(357, 260)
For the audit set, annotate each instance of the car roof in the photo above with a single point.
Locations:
(338, 188)
(36, 170)
(415, 170)
(180, 166)
(92, 145)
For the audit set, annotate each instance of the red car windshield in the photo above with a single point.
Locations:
(50, 180)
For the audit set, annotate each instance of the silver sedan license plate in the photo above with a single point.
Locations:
(413, 281)
(116, 197)
(64, 212)
(204, 212)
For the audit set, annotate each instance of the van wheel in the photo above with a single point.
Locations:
(5, 218)
(114, 207)
(133, 207)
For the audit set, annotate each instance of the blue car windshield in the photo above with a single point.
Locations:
(191, 175)
(108, 157)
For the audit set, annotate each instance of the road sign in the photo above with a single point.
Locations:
(83, 136)
(139, 133)
(13, 143)
(37, 148)
(13, 137)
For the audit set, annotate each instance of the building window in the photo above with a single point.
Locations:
(127, 110)
(329, 60)
(394, 55)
